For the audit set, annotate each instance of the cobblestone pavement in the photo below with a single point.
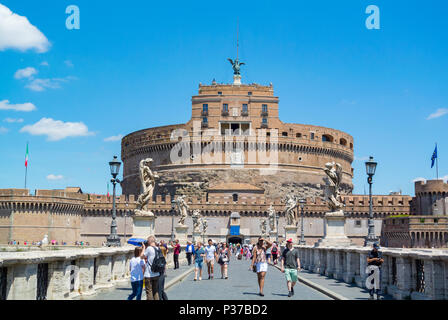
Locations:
(123, 290)
(241, 285)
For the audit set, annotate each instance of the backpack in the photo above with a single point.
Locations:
(274, 250)
(159, 262)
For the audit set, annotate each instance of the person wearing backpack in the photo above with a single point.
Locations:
(162, 293)
(153, 257)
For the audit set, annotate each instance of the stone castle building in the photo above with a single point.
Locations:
(233, 159)
(427, 224)
(234, 115)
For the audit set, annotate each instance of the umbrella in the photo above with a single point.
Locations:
(136, 241)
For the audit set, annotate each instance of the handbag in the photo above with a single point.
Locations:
(254, 268)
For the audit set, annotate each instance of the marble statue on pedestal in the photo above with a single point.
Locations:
(148, 180)
(334, 219)
(272, 218)
(263, 225)
(183, 207)
(196, 216)
(334, 174)
(291, 204)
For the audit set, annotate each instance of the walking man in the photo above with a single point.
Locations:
(210, 251)
(290, 266)
(151, 278)
(176, 253)
(190, 251)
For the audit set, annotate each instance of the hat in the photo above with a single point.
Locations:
(289, 240)
(376, 245)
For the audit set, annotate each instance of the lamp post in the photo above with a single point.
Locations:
(302, 233)
(114, 240)
(370, 170)
(173, 207)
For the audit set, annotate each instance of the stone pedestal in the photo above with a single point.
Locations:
(273, 235)
(236, 79)
(143, 224)
(334, 232)
(181, 234)
(197, 236)
(291, 232)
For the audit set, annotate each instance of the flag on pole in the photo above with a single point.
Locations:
(26, 156)
(434, 157)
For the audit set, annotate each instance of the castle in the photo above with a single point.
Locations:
(232, 160)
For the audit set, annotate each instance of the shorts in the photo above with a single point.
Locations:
(291, 275)
(211, 261)
(198, 264)
(262, 267)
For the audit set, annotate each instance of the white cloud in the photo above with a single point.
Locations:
(445, 178)
(26, 107)
(42, 84)
(439, 112)
(12, 120)
(57, 130)
(69, 63)
(361, 158)
(44, 63)
(3, 130)
(16, 32)
(114, 138)
(419, 179)
(25, 73)
(54, 177)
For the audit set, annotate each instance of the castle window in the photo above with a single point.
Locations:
(284, 134)
(358, 223)
(205, 107)
(264, 121)
(351, 145)
(298, 135)
(327, 138)
(219, 92)
(204, 120)
(245, 109)
(249, 93)
(235, 197)
(343, 142)
(225, 107)
(264, 108)
(312, 135)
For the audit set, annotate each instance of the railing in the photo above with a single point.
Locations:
(64, 274)
(405, 273)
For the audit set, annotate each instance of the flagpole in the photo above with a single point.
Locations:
(437, 166)
(26, 163)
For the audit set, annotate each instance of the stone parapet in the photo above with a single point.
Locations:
(406, 273)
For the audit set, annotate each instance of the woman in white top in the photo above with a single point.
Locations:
(137, 268)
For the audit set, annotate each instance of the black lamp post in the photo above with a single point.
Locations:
(114, 240)
(302, 233)
(370, 170)
(173, 211)
(277, 217)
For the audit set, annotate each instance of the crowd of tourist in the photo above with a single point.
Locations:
(153, 254)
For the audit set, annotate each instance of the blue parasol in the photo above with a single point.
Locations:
(136, 241)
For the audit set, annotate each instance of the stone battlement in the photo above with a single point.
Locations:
(431, 186)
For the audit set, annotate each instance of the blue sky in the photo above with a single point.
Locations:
(134, 65)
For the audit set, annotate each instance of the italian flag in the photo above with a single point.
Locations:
(26, 156)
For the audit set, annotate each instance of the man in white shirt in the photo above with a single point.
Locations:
(210, 257)
(151, 278)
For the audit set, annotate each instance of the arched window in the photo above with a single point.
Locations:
(343, 142)
(235, 197)
(327, 138)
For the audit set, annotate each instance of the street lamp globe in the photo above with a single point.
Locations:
(302, 203)
(114, 167)
(370, 166)
(173, 204)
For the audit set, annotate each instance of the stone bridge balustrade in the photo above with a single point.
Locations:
(65, 274)
(406, 273)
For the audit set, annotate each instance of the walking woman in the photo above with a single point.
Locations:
(224, 257)
(198, 256)
(137, 268)
(259, 261)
